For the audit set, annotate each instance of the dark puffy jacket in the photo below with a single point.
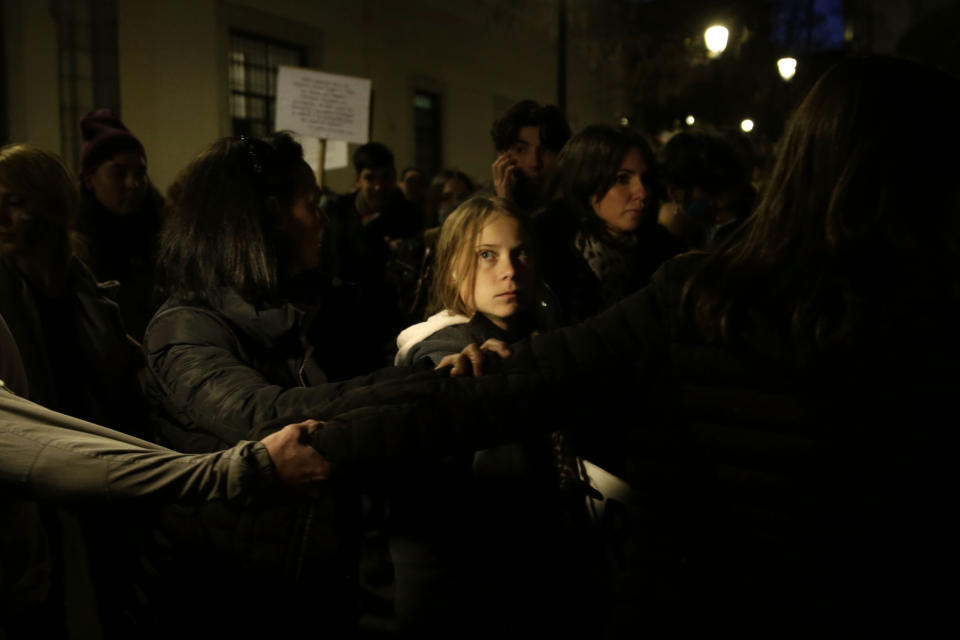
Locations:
(123, 248)
(771, 492)
(96, 378)
(216, 375)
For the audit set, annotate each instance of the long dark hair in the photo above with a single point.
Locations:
(219, 232)
(859, 220)
(587, 167)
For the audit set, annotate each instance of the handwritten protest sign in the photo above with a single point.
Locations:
(324, 105)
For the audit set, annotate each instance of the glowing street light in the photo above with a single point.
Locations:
(787, 67)
(716, 38)
(747, 125)
(690, 120)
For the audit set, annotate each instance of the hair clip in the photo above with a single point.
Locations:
(251, 149)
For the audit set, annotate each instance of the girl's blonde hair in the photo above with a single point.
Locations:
(456, 261)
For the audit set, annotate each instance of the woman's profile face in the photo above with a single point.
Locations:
(303, 227)
(621, 207)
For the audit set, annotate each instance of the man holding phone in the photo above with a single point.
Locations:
(527, 139)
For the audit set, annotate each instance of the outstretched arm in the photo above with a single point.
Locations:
(202, 382)
(52, 455)
(543, 381)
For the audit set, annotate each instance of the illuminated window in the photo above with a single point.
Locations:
(252, 63)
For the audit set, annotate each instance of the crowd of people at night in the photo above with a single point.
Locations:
(254, 406)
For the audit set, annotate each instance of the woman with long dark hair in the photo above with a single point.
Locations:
(598, 238)
(792, 456)
(231, 349)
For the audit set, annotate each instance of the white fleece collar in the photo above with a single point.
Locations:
(419, 332)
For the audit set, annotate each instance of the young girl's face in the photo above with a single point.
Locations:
(504, 275)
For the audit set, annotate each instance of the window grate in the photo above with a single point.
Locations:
(252, 62)
(88, 70)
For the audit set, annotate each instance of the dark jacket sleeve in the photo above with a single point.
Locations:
(203, 382)
(51, 455)
(434, 348)
(530, 392)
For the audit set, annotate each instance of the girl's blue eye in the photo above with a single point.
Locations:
(486, 254)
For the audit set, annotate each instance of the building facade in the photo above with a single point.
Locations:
(182, 73)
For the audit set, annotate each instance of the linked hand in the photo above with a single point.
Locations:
(469, 362)
(296, 463)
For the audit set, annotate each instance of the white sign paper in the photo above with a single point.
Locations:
(323, 105)
(311, 152)
(335, 155)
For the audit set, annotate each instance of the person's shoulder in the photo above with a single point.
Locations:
(427, 338)
(678, 269)
(437, 346)
(555, 221)
(180, 322)
(655, 234)
(460, 333)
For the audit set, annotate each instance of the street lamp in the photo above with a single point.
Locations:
(690, 120)
(716, 38)
(787, 67)
(747, 125)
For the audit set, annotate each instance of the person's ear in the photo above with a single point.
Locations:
(676, 194)
(356, 180)
(85, 180)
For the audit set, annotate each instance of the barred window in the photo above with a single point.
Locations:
(252, 63)
(88, 70)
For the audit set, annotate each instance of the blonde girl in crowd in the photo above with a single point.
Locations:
(502, 531)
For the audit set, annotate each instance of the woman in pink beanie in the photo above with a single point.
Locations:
(120, 214)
